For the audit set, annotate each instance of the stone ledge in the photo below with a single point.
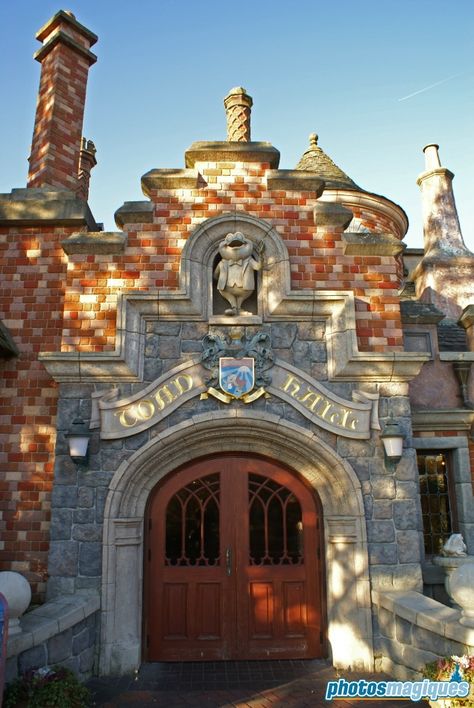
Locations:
(332, 214)
(95, 242)
(62, 16)
(295, 180)
(442, 419)
(169, 179)
(467, 318)
(232, 152)
(64, 38)
(134, 212)
(416, 312)
(50, 619)
(371, 244)
(45, 206)
(426, 613)
(456, 356)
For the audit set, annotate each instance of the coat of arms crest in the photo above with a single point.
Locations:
(237, 367)
(236, 376)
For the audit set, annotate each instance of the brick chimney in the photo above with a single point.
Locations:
(445, 275)
(65, 59)
(238, 106)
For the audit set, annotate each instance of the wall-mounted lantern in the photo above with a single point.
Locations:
(78, 439)
(392, 438)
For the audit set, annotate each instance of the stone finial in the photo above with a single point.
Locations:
(461, 583)
(17, 592)
(238, 106)
(313, 140)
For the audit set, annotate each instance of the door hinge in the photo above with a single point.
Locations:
(149, 554)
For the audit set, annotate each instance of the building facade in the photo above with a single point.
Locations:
(235, 356)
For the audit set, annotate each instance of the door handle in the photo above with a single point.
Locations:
(228, 561)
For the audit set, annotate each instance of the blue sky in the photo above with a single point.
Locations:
(338, 69)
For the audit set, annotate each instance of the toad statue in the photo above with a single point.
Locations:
(234, 273)
(454, 546)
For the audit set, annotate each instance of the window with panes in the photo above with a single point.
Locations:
(437, 499)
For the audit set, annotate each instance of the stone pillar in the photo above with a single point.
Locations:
(87, 161)
(445, 275)
(65, 59)
(238, 106)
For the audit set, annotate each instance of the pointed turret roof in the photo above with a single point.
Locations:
(316, 160)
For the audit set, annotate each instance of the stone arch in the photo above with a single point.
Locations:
(346, 559)
(196, 269)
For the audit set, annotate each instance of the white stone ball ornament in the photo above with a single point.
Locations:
(16, 589)
(462, 584)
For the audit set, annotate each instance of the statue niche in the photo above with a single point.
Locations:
(235, 275)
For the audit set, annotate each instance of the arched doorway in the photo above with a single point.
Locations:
(346, 574)
(232, 555)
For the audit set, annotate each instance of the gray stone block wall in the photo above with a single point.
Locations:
(408, 645)
(390, 493)
(75, 648)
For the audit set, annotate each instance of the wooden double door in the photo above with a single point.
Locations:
(233, 564)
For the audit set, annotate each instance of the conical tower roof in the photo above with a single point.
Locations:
(316, 160)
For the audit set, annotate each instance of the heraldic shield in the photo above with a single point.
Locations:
(236, 376)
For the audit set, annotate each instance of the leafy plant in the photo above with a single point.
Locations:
(458, 668)
(47, 687)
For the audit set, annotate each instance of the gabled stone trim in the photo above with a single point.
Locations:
(169, 179)
(134, 212)
(232, 152)
(295, 180)
(95, 242)
(371, 244)
(277, 302)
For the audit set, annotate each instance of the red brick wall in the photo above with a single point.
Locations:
(32, 274)
(153, 253)
(51, 302)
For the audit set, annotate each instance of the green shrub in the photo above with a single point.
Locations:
(47, 687)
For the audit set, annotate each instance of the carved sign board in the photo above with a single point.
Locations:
(129, 416)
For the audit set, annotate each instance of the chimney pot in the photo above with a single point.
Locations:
(432, 161)
(238, 106)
